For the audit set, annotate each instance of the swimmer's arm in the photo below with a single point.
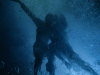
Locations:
(36, 20)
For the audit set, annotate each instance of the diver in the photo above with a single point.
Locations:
(43, 34)
(61, 47)
(41, 46)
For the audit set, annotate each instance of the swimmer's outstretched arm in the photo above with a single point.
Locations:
(36, 20)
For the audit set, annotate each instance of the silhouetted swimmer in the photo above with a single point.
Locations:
(41, 46)
(43, 35)
(61, 47)
(51, 20)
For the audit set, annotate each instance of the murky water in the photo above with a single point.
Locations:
(83, 17)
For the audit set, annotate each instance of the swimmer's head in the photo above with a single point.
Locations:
(50, 19)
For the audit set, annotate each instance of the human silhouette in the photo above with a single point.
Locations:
(41, 45)
(53, 28)
(43, 34)
(61, 48)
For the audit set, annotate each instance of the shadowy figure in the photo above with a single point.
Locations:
(61, 48)
(53, 29)
(41, 45)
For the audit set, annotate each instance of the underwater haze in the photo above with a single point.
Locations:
(18, 35)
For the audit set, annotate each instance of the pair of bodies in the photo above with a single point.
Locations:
(54, 29)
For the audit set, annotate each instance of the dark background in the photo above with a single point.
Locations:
(17, 36)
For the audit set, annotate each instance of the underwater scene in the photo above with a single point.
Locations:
(49, 37)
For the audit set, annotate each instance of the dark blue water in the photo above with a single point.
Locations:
(18, 32)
